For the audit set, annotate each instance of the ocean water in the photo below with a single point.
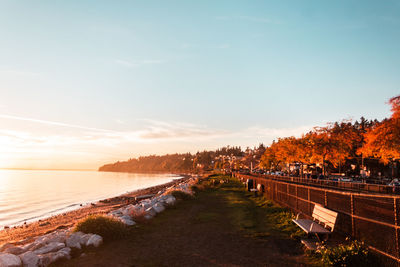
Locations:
(29, 195)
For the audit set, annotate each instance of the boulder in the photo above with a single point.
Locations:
(127, 220)
(63, 254)
(15, 250)
(95, 240)
(54, 246)
(128, 210)
(9, 260)
(158, 207)
(30, 259)
(74, 240)
(150, 211)
(84, 239)
(5, 246)
(145, 206)
(59, 237)
(33, 246)
(44, 260)
(65, 250)
(170, 200)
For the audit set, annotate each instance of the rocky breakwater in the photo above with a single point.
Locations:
(46, 249)
(58, 245)
(151, 205)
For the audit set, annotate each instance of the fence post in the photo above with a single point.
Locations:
(297, 199)
(352, 215)
(396, 223)
(326, 198)
(308, 199)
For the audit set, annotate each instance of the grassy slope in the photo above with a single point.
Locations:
(223, 225)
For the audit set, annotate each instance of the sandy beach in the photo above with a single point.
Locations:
(27, 232)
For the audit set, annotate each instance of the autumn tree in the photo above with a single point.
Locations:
(383, 140)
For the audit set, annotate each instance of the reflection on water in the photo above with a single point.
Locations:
(29, 195)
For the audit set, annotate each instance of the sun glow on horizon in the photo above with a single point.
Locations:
(40, 144)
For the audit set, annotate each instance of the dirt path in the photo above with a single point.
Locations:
(220, 227)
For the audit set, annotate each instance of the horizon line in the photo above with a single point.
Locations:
(45, 169)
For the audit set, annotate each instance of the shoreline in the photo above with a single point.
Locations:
(27, 232)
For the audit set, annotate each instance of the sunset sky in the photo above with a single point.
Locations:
(83, 83)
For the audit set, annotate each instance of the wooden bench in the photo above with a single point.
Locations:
(322, 223)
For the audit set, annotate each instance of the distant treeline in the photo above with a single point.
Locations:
(172, 162)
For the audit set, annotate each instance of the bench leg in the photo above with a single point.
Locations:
(322, 237)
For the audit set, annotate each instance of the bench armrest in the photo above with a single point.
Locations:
(298, 216)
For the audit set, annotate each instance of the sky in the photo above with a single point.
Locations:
(84, 83)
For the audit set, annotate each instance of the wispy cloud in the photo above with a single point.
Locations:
(152, 131)
(13, 72)
(138, 63)
(84, 146)
(55, 123)
(159, 130)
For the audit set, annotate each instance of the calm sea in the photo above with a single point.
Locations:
(28, 195)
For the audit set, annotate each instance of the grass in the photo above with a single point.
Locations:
(255, 215)
(180, 195)
(355, 253)
(107, 227)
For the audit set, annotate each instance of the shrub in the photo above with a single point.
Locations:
(354, 254)
(196, 188)
(107, 227)
(180, 195)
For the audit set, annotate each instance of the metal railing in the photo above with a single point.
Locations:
(373, 218)
(348, 186)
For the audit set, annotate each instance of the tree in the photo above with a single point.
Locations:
(383, 139)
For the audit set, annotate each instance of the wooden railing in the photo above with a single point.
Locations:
(373, 218)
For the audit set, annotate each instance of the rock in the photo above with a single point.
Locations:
(150, 211)
(9, 260)
(170, 200)
(59, 236)
(60, 255)
(54, 246)
(145, 206)
(95, 240)
(65, 250)
(127, 220)
(85, 238)
(15, 250)
(44, 260)
(34, 246)
(128, 210)
(74, 240)
(158, 207)
(5, 246)
(30, 259)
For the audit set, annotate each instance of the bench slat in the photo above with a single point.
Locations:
(325, 216)
(309, 226)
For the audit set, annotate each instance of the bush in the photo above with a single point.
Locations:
(196, 188)
(180, 195)
(107, 227)
(354, 254)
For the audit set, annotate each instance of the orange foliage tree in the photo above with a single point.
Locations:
(383, 140)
